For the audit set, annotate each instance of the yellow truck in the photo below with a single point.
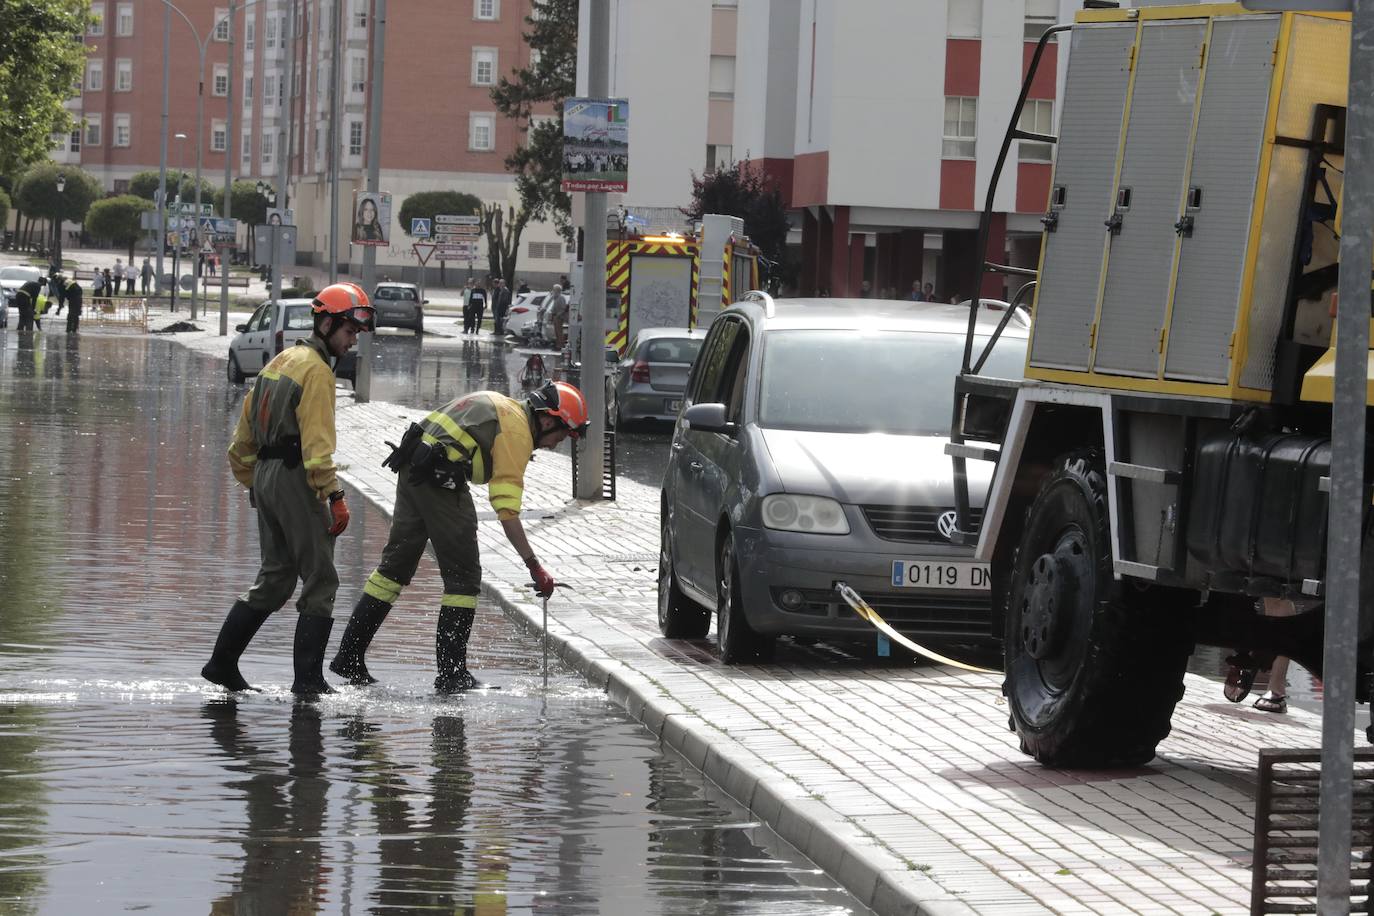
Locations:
(1164, 466)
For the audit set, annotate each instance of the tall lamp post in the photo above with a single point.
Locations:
(269, 194)
(57, 248)
(176, 249)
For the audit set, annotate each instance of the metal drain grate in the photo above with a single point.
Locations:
(1284, 873)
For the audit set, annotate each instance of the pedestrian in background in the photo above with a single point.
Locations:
(118, 276)
(71, 296)
(523, 287)
(500, 306)
(483, 437)
(474, 305)
(283, 452)
(147, 274)
(111, 289)
(557, 306)
(129, 276)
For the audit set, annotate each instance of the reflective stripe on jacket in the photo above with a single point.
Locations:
(293, 396)
(493, 432)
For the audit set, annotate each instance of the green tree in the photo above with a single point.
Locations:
(42, 56)
(538, 91)
(249, 207)
(144, 184)
(747, 192)
(37, 194)
(117, 219)
(429, 204)
(4, 210)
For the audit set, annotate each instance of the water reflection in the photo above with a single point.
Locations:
(126, 783)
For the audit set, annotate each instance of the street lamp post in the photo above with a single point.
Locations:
(269, 194)
(57, 248)
(176, 249)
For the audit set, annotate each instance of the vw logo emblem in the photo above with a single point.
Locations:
(945, 525)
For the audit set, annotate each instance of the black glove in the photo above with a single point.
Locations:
(252, 499)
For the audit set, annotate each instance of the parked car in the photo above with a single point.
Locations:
(810, 450)
(274, 326)
(15, 276)
(523, 321)
(398, 305)
(649, 382)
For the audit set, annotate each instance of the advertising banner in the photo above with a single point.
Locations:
(371, 218)
(596, 144)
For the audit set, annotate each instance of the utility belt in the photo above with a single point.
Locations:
(288, 452)
(425, 463)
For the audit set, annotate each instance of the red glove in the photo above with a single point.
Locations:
(338, 511)
(543, 581)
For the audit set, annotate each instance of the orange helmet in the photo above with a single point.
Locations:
(345, 300)
(565, 402)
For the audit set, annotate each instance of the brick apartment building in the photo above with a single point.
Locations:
(440, 130)
(880, 119)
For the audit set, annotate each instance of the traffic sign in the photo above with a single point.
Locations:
(459, 252)
(419, 228)
(423, 251)
(448, 219)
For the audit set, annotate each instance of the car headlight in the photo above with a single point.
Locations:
(807, 514)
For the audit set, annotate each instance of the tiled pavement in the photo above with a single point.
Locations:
(902, 783)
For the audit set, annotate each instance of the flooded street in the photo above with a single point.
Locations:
(129, 784)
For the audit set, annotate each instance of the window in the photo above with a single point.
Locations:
(1037, 117)
(121, 130)
(355, 138)
(487, 9)
(549, 250)
(121, 186)
(281, 90)
(296, 81)
(248, 88)
(219, 136)
(282, 32)
(92, 130)
(269, 35)
(357, 73)
(267, 144)
(961, 127)
(220, 84)
(246, 148)
(221, 24)
(75, 145)
(965, 19)
(95, 75)
(535, 57)
(57, 142)
(722, 84)
(1040, 15)
(250, 34)
(124, 75)
(269, 90)
(359, 20)
(481, 130)
(97, 26)
(719, 156)
(124, 20)
(484, 66)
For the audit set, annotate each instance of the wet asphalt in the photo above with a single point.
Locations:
(128, 784)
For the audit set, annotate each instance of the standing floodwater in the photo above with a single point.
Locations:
(128, 784)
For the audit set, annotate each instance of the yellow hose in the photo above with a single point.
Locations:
(865, 612)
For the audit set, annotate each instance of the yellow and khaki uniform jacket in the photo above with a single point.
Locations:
(494, 433)
(293, 397)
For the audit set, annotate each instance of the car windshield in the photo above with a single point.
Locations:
(670, 350)
(887, 381)
(298, 318)
(400, 293)
(23, 274)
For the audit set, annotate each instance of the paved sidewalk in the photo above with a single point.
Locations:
(901, 782)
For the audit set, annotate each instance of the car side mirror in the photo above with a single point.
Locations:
(240, 328)
(426, 302)
(708, 418)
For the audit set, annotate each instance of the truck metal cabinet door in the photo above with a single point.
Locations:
(660, 292)
(1085, 164)
(1226, 153)
(1140, 261)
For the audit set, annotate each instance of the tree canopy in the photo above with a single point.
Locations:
(429, 204)
(117, 219)
(247, 205)
(747, 192)
(41, 57)
(537, 92)
(144, 184)
(4, 208)
(37, 194)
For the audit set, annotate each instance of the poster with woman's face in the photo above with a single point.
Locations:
(371, 218)
(277, 216)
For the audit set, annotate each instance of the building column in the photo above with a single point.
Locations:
(858, 242)
(838, 255)
(911, 255)
(826, 242)
(994, 284)
(810, 253)
(957, 258)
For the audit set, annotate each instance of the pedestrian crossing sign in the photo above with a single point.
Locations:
(419, 228)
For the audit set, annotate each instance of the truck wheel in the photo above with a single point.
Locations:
(1092, 673)
(738, 641)
(679, 617)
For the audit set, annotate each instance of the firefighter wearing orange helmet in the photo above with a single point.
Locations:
(483, 438)
(283, 451)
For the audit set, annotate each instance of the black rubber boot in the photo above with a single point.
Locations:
(451, 650)
(235, 634)
(349, 663)
(312, 639)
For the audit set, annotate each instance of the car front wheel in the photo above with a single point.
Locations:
(236, 376)
(739, 642)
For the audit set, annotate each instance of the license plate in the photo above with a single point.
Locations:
(674, 406)
(936, 574)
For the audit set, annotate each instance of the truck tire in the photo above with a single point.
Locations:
(739, 642)
(1092, 672)
(679, 617)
